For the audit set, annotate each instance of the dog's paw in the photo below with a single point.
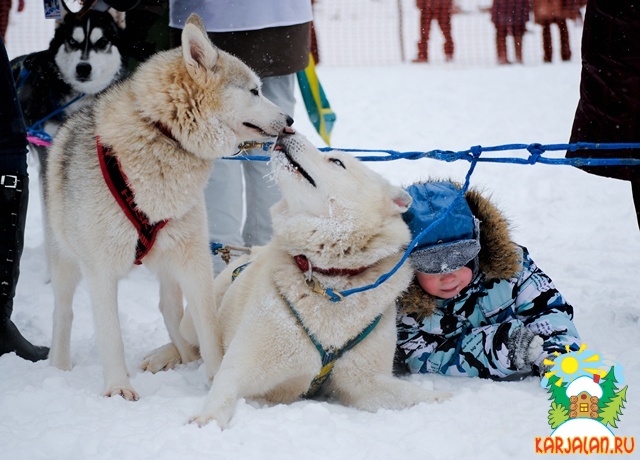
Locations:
(129, 394)
(161, 359)
(440, 396)
(202, 420)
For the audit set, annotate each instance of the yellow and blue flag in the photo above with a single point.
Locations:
(320, 113)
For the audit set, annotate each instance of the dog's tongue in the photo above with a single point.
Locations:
(284, 132)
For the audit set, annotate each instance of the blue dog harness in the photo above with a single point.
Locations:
(329, 355)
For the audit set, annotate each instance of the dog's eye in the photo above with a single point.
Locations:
(102, 43)
(72, 42)
(254, 91)
(337, 162)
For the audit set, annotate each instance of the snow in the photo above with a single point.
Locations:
(580, 229)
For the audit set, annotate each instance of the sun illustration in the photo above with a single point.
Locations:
(574, 364)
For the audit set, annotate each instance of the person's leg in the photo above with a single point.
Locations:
(547, 44)
(501, 44)
(224, 200)
(518, 36)
(261, 192)
(426, 15)
(14, 196)
(444, 21)
(5, 9)
(565, 44)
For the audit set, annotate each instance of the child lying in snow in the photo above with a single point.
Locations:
(478, 306)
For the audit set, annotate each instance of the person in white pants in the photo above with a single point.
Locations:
(273, 38)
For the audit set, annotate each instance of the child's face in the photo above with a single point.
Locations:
(445, 286)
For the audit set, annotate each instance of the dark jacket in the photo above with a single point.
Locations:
(609, 106)
(270, 52)
(545, 11)
(510, 12)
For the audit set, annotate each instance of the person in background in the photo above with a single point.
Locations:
(479, 306)
(609, 107)
(5, 10)
(440, 11)
(547, 12)
(273, 38)
(510, 17)
(14, 198)
(146, 31)
(315, 52)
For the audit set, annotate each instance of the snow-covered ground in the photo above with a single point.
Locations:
(580, 229)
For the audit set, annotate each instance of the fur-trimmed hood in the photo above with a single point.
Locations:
(499, 257)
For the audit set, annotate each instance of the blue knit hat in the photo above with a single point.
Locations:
(452, 243)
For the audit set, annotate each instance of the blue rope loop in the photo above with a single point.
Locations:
(473, 155)
(37, 129)
(535, 150)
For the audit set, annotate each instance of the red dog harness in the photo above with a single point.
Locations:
(120, 189)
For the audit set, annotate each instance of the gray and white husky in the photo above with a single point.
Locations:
(84, 58)
(161, 129)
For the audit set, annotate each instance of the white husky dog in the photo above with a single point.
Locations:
(159, 131)
(338, 226)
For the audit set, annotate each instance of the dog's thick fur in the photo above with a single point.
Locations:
(208, 101)
(339, 214)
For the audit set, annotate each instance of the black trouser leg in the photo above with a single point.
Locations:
(635, 191)
(14, 196)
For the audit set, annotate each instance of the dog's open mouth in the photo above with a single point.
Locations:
(292, 165)
(261, 131)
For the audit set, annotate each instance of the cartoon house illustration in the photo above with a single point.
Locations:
(584, 394)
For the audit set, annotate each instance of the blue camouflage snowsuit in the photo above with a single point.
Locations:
(468, 334)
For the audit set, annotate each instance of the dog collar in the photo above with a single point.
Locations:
(119, 186)
(305, 266)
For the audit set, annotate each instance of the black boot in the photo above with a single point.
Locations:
(14, 196)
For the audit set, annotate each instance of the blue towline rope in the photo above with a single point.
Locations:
(535, 150)
(37, 129)
(472, 155)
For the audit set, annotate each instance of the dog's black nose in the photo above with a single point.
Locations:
(289, 121)
(83, 70)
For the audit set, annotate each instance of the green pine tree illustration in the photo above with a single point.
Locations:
(611, 412)
(558, 414)
(558, 393)
(609, 388)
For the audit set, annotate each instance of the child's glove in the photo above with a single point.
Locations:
(524, 347)
(540, 368)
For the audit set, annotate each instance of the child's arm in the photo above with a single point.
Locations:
(543, 310)
(496, 351)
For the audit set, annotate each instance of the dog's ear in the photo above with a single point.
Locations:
(401, 199)
(197, 21)
(199, 54)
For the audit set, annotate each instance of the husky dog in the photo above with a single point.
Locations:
(338, 226)
(84, 58)
(125, 183)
